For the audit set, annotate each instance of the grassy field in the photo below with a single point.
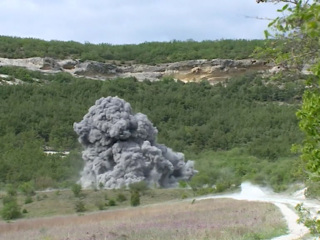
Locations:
(206, 219)
(61, 202)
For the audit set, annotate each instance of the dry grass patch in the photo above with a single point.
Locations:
(207, 219)
(56, 203)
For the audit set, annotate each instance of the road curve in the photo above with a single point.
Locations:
(285, 203)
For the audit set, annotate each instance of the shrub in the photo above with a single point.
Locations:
(76, 189)
(27, 188)
(112, 203)
(184, 196)
(24, 211)
(121, 197)
(79, 206)
(10, 210)
(139, 187)
(101, 185)
(222, 186)
(135, 198)
(11, 190)
(28, 200)
(183, 184)
(205, 191)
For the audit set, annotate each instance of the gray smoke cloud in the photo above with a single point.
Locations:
(120, 148)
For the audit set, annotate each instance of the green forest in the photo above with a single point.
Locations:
(234, 131)
(148, 52)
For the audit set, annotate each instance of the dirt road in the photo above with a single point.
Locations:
(285, 203)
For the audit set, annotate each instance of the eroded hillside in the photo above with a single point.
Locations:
(214, 70)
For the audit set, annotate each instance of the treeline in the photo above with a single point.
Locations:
(148, 53)
(246, 113)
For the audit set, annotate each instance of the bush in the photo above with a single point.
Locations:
(112, 203)
(222, 186)
(121, 197)
(11, 210)
(100, 205)
(101, 185)
(184, 196)
(205, 191)
(27, 188)
(139, 187)
(79, 206)
(24, 211)
(76, 189)
(28, 200)
(183, 184)
(11, 190)
(135, 198)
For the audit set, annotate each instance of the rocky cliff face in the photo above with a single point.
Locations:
(215, 70)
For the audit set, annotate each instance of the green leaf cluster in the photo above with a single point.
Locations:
(299, 30)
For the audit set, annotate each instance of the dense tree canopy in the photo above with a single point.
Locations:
(248, 112)
(149, 52)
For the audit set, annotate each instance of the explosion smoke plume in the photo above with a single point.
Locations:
(120, 149)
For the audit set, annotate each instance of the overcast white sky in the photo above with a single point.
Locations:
(134, 21)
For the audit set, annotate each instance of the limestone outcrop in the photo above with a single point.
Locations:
(214, 70)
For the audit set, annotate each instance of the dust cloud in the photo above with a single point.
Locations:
(120, 148)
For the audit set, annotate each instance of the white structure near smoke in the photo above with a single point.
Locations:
(120, 149)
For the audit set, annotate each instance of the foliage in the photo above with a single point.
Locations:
(28, 200)
(121, 197)
(27, 188)
(140, 187)
(309, 116)
(11, 190)
(222, 170)
(299, 30)
(79, 206)
(135, 199)
(76, 189)
(10, 209)
(305, 217)
(149, 52)
(183, 184)
(112, 203)
(248, 112)
(295, 35)
(101, 185)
